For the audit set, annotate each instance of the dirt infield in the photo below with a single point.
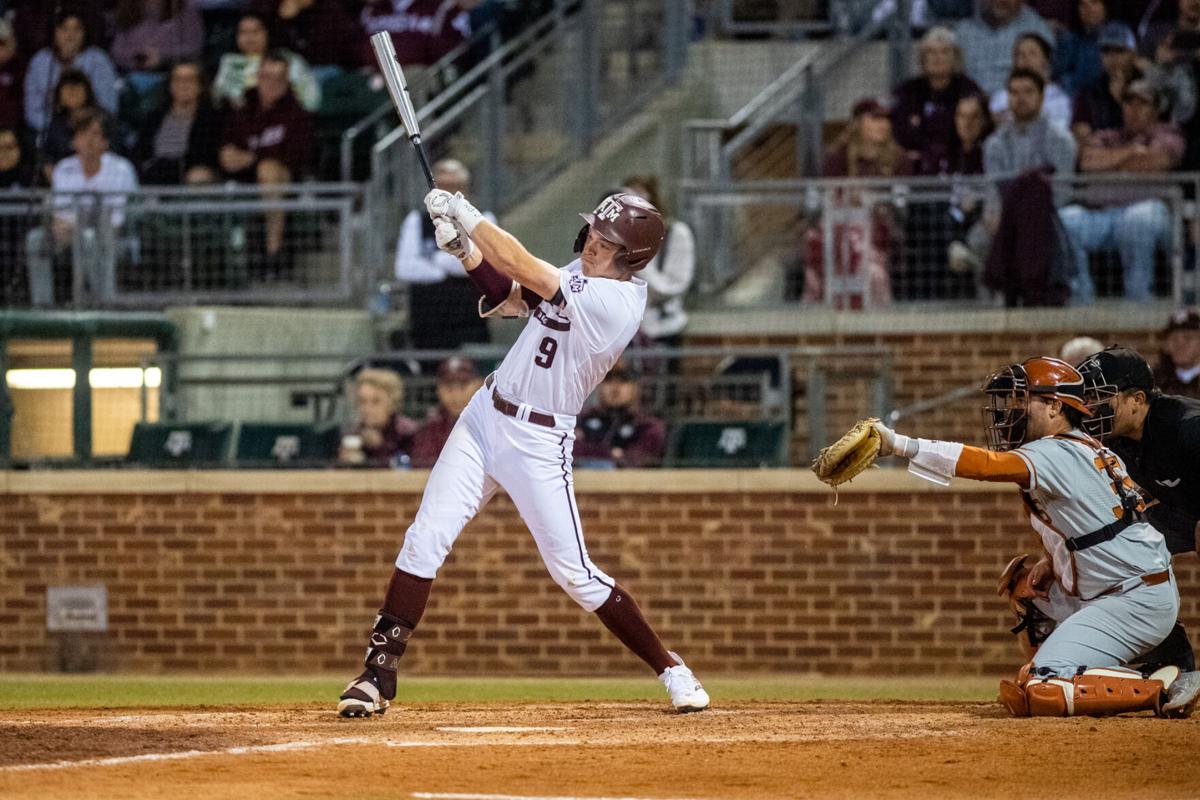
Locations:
(598, 750)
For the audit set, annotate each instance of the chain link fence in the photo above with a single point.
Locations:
(231, 244)
(858, 244)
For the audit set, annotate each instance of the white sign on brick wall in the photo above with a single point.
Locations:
(76, 609)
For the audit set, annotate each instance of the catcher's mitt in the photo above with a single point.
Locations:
(848, 456)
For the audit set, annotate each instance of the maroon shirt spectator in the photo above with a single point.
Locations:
(323, 32)
(153, 34)
(422, 30)
(1142, 144)
(923, 107)
(12, 79)
(457, 382)
(615, 430)
(379, 433)
(270, 126)
(396, 438)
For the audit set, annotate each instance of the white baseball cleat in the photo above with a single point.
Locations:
(686, 692)
(362, 699)
(1182, 695)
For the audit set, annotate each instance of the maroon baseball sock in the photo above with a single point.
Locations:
(621, 615)
(406, 597)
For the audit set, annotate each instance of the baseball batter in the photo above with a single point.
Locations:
(517, 431)
(1111, 567)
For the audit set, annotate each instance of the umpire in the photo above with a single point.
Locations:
(1158, 437)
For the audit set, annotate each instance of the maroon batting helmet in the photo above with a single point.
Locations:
(629, 221)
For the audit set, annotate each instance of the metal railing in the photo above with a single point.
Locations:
(712, 147)
(167, 245)
(422, 85)
(534, 105)
(859, 243)
(822, 386)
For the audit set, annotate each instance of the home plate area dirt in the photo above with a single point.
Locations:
(594, 751)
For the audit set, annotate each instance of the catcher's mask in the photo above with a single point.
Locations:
(1105, 375)
(1099, 392)
(629, 221)
(1006, 417)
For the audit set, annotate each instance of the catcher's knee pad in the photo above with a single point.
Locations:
(1097, 692)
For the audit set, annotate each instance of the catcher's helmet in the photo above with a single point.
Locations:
(1005, 417)
(629, 221)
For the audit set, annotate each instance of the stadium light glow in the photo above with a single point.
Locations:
(99, 378)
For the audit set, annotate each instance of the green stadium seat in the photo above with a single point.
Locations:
(285, 444)
(727, 444)
(185, 444)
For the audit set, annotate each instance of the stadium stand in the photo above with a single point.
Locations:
(834, 163)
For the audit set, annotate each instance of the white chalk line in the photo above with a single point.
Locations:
(282, 747)
(468, 796)
(501, 729)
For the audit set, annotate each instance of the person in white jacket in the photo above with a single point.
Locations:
(443, 312)
(669, 274)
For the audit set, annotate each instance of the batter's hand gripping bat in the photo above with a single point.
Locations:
(393, 75)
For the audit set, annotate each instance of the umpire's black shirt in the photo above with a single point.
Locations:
(1166, 463)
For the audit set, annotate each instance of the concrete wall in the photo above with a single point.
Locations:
(217, 331)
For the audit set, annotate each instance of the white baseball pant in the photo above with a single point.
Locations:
(488, 450)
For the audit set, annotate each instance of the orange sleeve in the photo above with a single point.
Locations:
(984, 465)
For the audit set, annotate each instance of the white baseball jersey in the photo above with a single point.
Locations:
(1072, 495)
(571, 341)
(567, 347)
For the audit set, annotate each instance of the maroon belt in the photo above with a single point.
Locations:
(1153, 579)
(513, 410)
(1156, 578)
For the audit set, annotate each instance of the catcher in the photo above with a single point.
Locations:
(1108, 567)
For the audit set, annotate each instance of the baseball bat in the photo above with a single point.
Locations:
(393, 76)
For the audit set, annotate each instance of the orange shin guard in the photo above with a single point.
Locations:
(1095, 693)
(1100, 692)
(1012, 693)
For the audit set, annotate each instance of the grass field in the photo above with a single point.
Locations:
(33, 691)
(217, 737)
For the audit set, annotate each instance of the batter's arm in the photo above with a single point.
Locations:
(506, 253)
(498, 247)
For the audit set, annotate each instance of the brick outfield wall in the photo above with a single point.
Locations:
(740, 572)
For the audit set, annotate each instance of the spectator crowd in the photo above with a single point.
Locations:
(202, 92)
(178, 80)
(614, 432)
(1027, 92)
